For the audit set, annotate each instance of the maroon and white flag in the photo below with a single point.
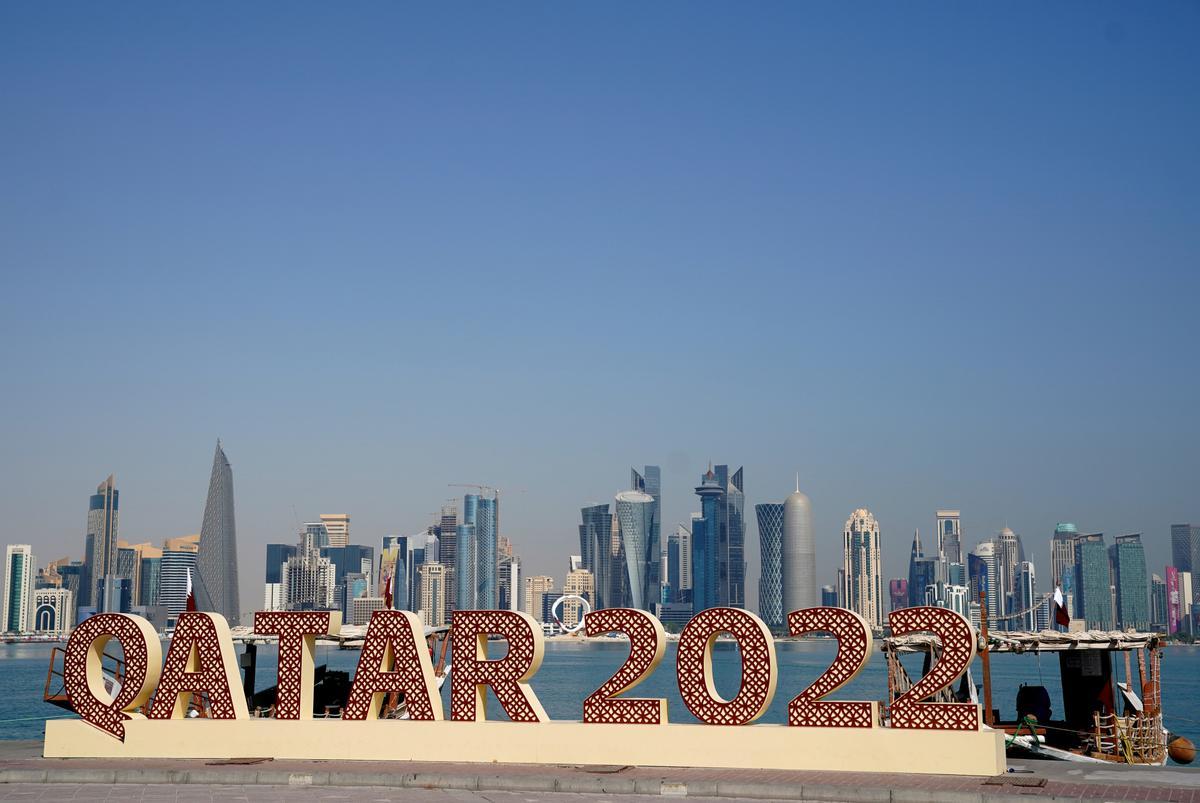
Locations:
(191, 597)
(1060, 610)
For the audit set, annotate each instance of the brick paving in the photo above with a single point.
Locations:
(1047, 779)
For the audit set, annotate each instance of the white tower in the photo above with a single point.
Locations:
(799, 554)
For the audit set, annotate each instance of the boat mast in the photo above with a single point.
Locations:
(987, 665)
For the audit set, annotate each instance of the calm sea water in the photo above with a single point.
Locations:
(571, 671)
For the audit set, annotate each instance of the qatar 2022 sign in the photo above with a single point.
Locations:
(146, 714)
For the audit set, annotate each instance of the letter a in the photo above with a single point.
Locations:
(200, 660)
(393, 660)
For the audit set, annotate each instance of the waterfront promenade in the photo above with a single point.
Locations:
(25, 775)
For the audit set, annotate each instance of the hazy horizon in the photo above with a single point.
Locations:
(927, 256)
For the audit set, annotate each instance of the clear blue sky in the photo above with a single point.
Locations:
(926, 254)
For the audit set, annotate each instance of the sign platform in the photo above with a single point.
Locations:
(779, 747)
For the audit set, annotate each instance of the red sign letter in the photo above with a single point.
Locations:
(394, 659)
(693, 666)
(473, 673)
(89, 691)
(297, 632)
(200, 659)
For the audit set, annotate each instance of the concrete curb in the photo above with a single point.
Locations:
(484, 782)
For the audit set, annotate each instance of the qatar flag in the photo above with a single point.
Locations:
(191, 597)
(387, 592)
(1060, 610)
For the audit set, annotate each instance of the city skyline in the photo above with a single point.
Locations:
(530, 566)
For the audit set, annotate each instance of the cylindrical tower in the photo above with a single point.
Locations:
(799, 554)
(635, 514)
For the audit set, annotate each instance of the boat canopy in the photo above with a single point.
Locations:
(1044, 641)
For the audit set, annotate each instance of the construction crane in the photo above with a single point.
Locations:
(481, 488)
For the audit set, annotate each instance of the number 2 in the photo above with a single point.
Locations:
(958, 650)
(854, 649)
(647, 645)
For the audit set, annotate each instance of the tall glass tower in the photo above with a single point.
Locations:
(1185, 547)
(217, 559)
(100, 557)
(719, 541)
(486, 561)
(706, 532)
(1093, 592)
(595, 548)
(770, 581)
(650, 482)
(1128, 561)
(635, 516)
(464, 555)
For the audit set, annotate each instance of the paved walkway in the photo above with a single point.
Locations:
(20, 763)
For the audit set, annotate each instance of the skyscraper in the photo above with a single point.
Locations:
(216, 584)
(466, 557)
(1185, 547)
(862, 563)
(770, 548)
(734, 594)
(718, 541)
(921, 571)
(983, 572)
(949, 536)
(1174, 601)
(650, 482)
(448, 557)
(178, 558)
(1062, 563)
(100, 554)
(595, 534)
(1025, 603)
(635, 516)
(705, 539)
(685, 563)
(20, 569)
(309, 577)
(1128, 561)
(1010, 553)
(486, 560)
(799, 555)
(1093, 592)
(338, 527)
(898, 593)
(535, 587)
(1158, 604)
(433, 589)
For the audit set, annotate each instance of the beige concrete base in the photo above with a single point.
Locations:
(558, 742)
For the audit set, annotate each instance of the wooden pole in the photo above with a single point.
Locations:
(987, 664)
